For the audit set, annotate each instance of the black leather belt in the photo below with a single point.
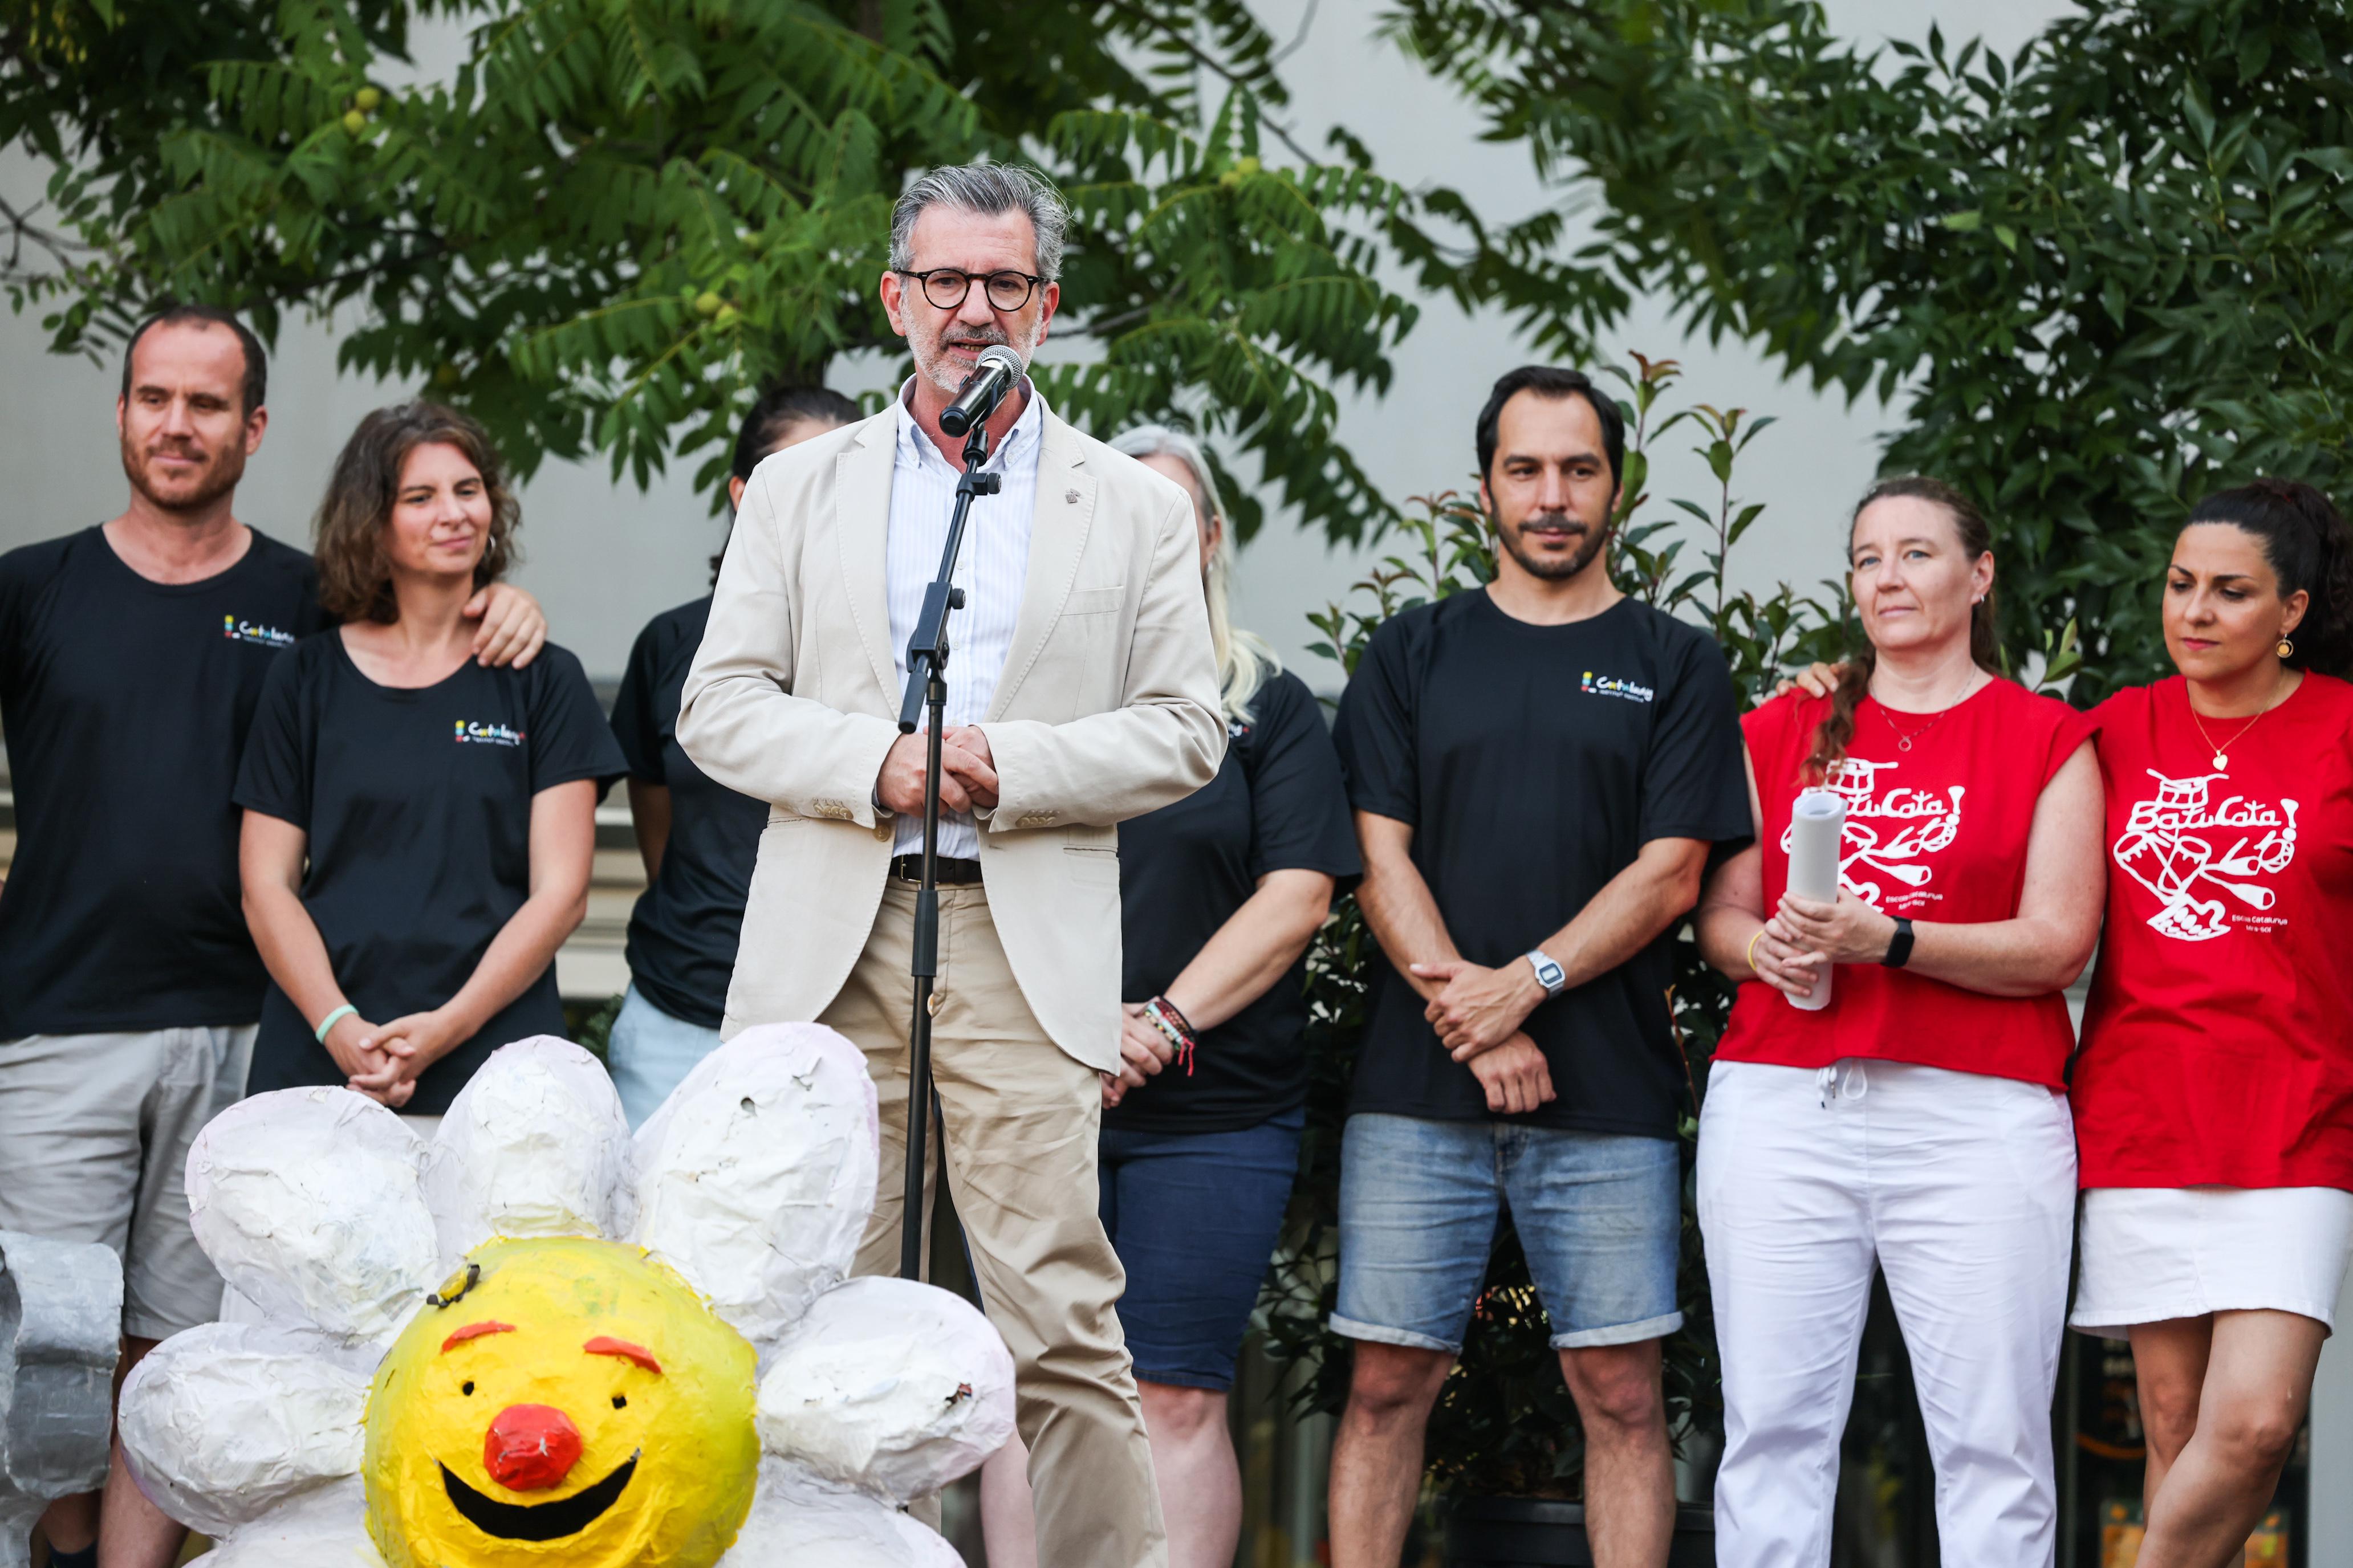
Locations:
(950, 873)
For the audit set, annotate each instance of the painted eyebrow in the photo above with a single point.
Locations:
(602, 1346)
(475, 1331)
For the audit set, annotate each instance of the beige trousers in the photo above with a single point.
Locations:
(1021, 1121)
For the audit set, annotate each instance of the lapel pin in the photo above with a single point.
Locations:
(1071, 497)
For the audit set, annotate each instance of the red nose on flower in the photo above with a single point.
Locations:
(530, 1447)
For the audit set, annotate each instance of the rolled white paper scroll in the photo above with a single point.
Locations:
(1817, 823)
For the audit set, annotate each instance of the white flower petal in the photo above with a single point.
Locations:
(536, 1144)
(755, 1178)
(308, 1200)
(889, 1385)
(225, 1422)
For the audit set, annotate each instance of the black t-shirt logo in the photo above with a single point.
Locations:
(1611, 686)
(237, 629)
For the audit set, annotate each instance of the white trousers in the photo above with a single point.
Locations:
(1962, 1189)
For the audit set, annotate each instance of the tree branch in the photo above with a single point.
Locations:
(1202, 57)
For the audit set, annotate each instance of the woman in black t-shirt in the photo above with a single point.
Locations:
(1220, 895)
(447, 812)
(697, 836)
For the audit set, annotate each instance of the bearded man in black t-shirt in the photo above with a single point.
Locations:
(131, 657)
(1540, 771)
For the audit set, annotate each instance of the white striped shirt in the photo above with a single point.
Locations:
(990, 569)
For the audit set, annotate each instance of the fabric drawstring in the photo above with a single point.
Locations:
(1841, 1079)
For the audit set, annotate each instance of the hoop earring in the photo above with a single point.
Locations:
(2286, 649)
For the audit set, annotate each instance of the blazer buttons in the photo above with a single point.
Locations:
(885, 830)
(1036, 820)
(833, 811)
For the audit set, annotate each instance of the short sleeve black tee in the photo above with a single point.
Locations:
(685, 930)
(1534, 762)
(125, 704)
(1276, 805)
(417, 804)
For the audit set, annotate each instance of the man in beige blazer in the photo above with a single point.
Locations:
(1082, 691)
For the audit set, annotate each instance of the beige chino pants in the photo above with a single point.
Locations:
(1021, 1121)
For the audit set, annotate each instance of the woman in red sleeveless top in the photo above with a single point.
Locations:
(1919, 1122)
(2214, 1095)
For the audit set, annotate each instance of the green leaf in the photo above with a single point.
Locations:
(2199, 119)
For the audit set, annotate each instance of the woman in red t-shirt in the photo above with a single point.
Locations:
(1919, 1122)
(2214, 1095)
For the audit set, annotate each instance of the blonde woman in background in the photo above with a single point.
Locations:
(1219, 895)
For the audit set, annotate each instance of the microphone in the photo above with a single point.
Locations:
(983, 389)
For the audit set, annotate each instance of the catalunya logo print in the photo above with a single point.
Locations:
(237, 629)
(1611, 685)
(471, 733)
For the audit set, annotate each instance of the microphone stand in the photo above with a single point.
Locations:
(927, 686)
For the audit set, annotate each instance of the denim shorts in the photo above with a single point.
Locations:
(1599, 1216)
(1193, 1218)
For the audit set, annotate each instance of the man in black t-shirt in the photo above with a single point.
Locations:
(1540, 771)
(131, 657)
(700, 839)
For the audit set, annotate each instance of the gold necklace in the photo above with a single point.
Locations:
(2222, 756)
(1904, 740)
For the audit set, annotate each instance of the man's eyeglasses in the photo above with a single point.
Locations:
(946, 287)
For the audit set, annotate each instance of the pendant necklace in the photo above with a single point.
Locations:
(1904, 740)
(2222, 754)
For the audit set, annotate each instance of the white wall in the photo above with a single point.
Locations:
(605, 556)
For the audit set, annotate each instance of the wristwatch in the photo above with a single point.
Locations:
(1899, 946)
(1550, 975)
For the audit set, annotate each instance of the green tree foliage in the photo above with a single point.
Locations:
(615, 220)
(2100, 277)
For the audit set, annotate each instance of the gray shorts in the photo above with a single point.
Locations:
(94, 1136)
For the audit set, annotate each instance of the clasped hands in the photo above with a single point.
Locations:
(1477, 1013)
(382, 1061)
(1804, 934)
(967, 772)
(1142, 1052)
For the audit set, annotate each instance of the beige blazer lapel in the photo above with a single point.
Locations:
(1057, 537)
(861, 532)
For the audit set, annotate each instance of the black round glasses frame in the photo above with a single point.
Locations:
(947, 287)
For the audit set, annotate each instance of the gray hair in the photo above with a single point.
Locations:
(1244, 659)
(987, 189)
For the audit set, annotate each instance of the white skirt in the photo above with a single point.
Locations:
(2151, 1254)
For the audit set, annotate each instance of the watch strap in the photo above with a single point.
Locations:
(1550, 975)
(1899, 947)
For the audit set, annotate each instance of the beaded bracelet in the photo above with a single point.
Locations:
(1164, 1016)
